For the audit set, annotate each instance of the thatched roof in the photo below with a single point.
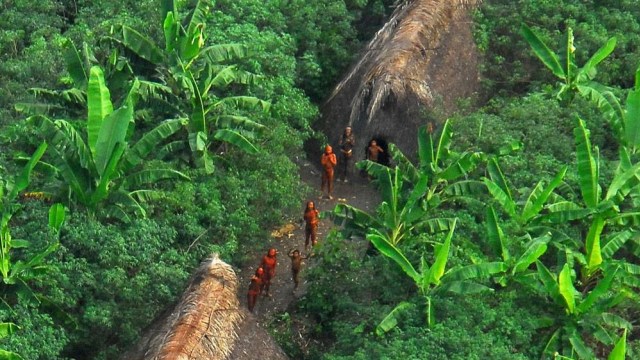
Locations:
(424, 58)
(204, 324)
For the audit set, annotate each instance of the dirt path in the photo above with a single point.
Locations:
(357, 192)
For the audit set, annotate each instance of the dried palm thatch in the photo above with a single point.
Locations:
(398, 53)
(411, 62)
(204, 323)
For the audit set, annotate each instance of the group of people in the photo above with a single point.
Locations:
(266, 271)
(329, 160)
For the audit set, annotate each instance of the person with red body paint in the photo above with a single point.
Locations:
(311, 225)
(269, 263)
(328, 162)
(255, 288)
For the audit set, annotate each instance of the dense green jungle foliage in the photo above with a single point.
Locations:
(514, 235)
(126, 144)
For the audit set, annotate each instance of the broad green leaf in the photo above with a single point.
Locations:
(99, 106)
(542, 51)
(7, 329)
(579, 347)
(442, 151)
(8, 355)
(142, 46)
(235, 138)
(539, 196)
(151, 140)
(463, 288)
(495, 235)
(587, 167)
(108, 175)
(566, 289)
(496, 175)
(504, 199)
(441, 256)
(225, 52)
(23, 180)
(531, 255)
(564, 211)
(237, 121)
(170, 27)
(112, 132)
(475, 271)
(624, 181)
(620, 350)
(436, 225)
(632, 119)
(75, 64)
(614, 320)
(392, 252)
(601, 289)
(391, 320)
(402, 162)
(588, 71)
(615, 242)
(151, 176)
(592, 244)
(242, 102)
(549, 281)
(460, 166)
(56, 217)
(19, 244)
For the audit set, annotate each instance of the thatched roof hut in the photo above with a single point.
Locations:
(412, 72)
(206, 323)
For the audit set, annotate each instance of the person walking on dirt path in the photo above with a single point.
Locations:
(347, 143)
(328, 162)
(296, 265)
(268, 263)
(311, 219)
(255, 288)
(374, 151)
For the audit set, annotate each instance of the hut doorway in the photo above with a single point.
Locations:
(383, 158)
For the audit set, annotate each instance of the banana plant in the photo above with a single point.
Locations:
(575, 79)
(194, 83)
(17, 274)
(601, 209)
(445, 170)
(101, 167)
(580, 313)
(401, 213)
(435, 279)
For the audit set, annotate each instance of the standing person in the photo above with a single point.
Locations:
(255, 288)
(328, 162)
(374, 151)
(296, 265)
(311, 225)
(268, 263)
(347, 142)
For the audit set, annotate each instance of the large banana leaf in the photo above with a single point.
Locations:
(539, 196)
(225, 52)
(23, 180)
(549, 282)
(235, 138)
(56, 217)
(601, 289)
(580, 347)
(171, 28)
(588, 71)
(75, 65)
(496, 175)
(222, 78)
(615, 242)
(542, 51)
(404, 164)
(391, 320)
(241, 102)
(393, 253)
(151, 140)
(462, 288)
(237, 121)
(495, 235)
(99, 106)
(441, 257)
(192, 41)
(624, 182)
(592, 244)
(587, 167)
(620, 350)
(108, 174)
(566, 289)
(504, 199)
(436, 225)
(564, 211)
(632, 117)
(142, 46)
(151, 176)
(426, 153)
(531, 255)
(442, 151)
(112, 132)
(474, 271)
(461, 166)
